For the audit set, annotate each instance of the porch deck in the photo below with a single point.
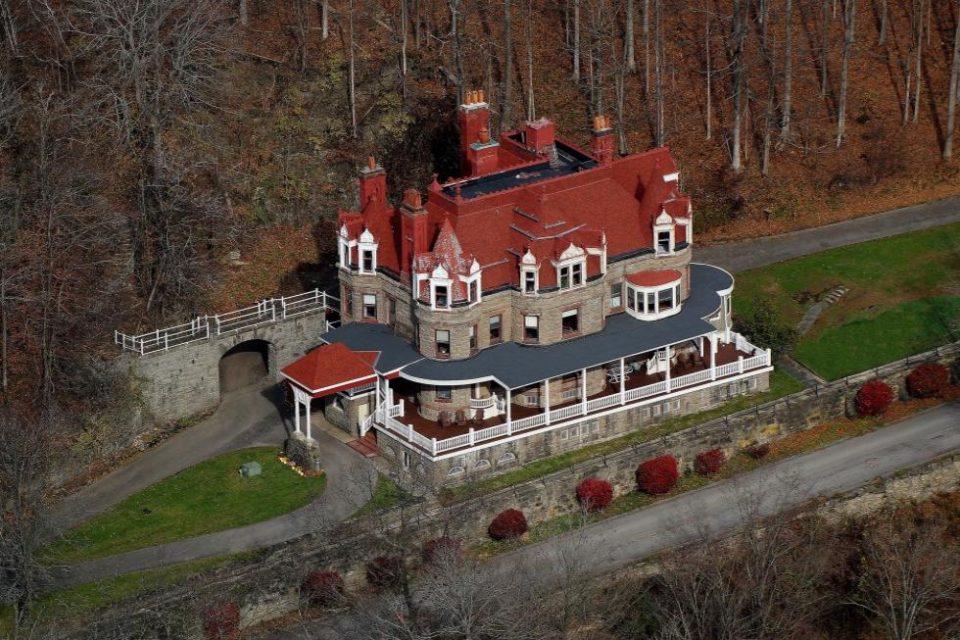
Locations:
(726, 354)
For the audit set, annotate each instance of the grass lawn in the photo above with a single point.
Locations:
(901, 299)
(781, 384)
(386, 494)
(210, 496)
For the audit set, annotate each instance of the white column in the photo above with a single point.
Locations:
(309, 435)
(701, 346)
(713, 356)
(509, 419)
(296, 413)
(623, 381)
(668, 367)
(376, 395)
(546, 403)
(583, 392)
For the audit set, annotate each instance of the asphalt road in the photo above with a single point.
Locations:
(750, 254)
(717, 509)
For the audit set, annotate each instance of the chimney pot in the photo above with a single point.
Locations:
(411, 198)
(484, 135)
(371, 162)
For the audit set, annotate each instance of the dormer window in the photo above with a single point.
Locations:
(571, 268)
(474, 289)
(441, 296)
(664, 241)
(529, 281)
(367, 249)
(663, 238)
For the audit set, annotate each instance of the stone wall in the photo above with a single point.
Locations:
(185, 380)
(267, 587)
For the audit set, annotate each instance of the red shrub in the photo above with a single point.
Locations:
(873, 398)
(322, 588)
(441, 548)
(928, 380)
(385, 572)
(509, 524)
(758, 451)
(221, 621)
(657, 475)
(708, 463)
(594, 494)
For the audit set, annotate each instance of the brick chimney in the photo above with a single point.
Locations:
(602, 142)
(540, 134)
(482, 154)
(373, 185)
(474, 115)
(413, 227)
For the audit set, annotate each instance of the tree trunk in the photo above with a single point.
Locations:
(3, 331)
(457, 49)
(658, 45)
(787, 71)
(244, 20)
(824, 45)
(576, 40)
(918, 82)
(352, 73)
(883, 22)
(738, 88)
(507, 71)
(849, 32)
(531, 105)
(404, 18)
(646, 47)
(628, 36)
(952, 93)
(9, 27)
(706, 40)
(325, 19)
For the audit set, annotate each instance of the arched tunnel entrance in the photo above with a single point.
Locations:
(245, 364)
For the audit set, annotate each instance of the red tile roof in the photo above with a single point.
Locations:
(617, 202)
(654, 278)
(331, 368)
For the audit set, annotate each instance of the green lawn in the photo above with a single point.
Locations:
(207, 497)
(899, 302)
(781, 384)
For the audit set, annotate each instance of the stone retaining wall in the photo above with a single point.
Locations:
(267, 587)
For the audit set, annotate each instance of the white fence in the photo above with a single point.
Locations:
(202, 327)
(434, 447)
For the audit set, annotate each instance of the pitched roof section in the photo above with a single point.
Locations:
(331, 368)
(654, 278)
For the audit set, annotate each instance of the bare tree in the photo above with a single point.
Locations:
(787, 104)
(824, 44)
(576, 40)
(528, 30)
(10, 28)
(737, 39)
(908, 585)
(883, 23)
(709, 78)
(952, 93)
(659, 99)
(629, 46)
(849, 33)
(918, 57)
(507, 70)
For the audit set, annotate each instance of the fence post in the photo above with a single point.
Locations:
(739, 364)
(433, 447)
(470, 437)
(316, 296)
(409, 433)
(166, 341)
(273, 309)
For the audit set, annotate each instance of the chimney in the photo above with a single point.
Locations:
(474, 115)
(373, 186)
(413, 227)
(540, 134)
(482, 154)
(602, 142)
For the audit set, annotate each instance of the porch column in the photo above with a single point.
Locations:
(623, 382)
(668, 368)
(546, 401)
(713, 357)
(296, 413)
(309, 436)
(509, 418)
(376, 395)
(701, 346)
(583, 391)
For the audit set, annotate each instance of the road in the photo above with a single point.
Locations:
(750, 254)
(717, 509)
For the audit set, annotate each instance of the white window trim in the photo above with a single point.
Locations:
(570, 264)
(523, 280)
(344, 244)
(474, 277)
(366, 243)
(664, 222)
(440, 282)
(640, 312)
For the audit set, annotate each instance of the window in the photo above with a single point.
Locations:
(616, 295)
(473, 291)
(473, 338)
(529, 281)
(443, 343)
(664, 241)
(406, 460)
(370, 306)
(570, 321)
(665, 298)
(531, 328)
(391, 310)
(495, 334)
(444, 394)
(441, 297)
(570, 276)
(367, 261)
(347, 302)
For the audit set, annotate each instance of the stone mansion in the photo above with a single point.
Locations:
(544, 300)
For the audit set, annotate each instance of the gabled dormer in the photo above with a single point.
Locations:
(664, 240)
(571, 266)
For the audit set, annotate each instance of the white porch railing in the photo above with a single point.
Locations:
(483, 403)
(202, 327)
(386, 416)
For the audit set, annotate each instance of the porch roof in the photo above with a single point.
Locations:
(331, 368)
(516, 365)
